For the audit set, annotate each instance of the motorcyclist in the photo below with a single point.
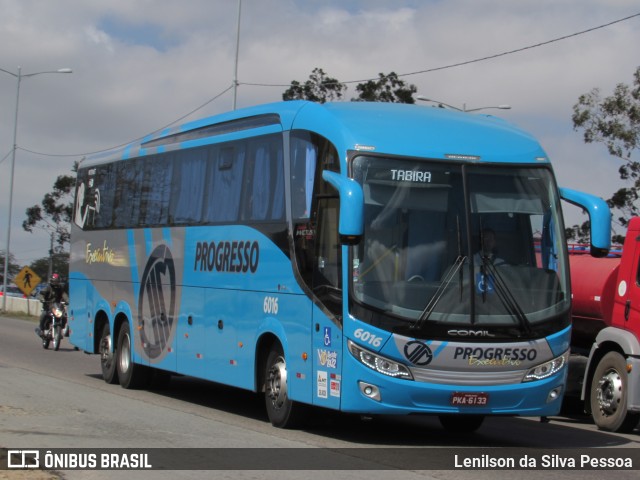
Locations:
(53, 292)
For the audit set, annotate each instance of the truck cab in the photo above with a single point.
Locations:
(605, 362)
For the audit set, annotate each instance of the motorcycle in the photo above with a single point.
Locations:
(55, 325)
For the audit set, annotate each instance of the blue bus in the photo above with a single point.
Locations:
(372, 258)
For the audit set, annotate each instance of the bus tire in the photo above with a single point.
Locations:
(609, 389)
(461, 423)
(282, 411)
(130, 374)
(107, 356)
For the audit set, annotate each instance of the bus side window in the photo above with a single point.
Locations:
(224, 184)
(315, 210)
(260, 186)
(157, 186)
(188, 191)
(128, 193)
(264, 182)
(303, 167)
(277, 209)
(265, 185)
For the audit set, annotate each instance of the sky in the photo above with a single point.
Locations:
(141, 65)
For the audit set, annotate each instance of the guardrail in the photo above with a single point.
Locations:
(29, 306)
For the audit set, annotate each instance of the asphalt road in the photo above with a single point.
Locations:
(52, 400)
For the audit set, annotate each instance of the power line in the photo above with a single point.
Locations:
(6, 156)
(476, 60)
(129, 142)
(529, 47)
(429, 70)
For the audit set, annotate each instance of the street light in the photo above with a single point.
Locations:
(440, 104)
(464, 105)
(500, 107)
(19, 76)
(235, 74)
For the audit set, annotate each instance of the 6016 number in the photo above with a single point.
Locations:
(368, 337)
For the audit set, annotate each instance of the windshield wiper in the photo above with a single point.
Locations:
(426, 313)
(505, 295)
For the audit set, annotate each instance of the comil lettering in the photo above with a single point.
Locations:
(411, 176)
(235, 256)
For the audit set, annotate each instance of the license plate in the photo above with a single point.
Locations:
(461, 399)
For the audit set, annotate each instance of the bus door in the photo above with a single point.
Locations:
(327, 311)
(318, 255)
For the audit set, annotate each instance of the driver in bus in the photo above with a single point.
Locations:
(487, 249)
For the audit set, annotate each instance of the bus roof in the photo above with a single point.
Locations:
(389, 128)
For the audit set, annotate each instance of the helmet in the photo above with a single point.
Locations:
(55, 280)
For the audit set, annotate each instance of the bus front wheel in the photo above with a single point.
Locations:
(282, 411)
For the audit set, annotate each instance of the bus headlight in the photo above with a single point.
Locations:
(379, 363)
(547, 369)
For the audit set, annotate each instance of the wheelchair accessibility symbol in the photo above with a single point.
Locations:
(327, 336)
(484, 283)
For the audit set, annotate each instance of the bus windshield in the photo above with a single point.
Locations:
(463, 244)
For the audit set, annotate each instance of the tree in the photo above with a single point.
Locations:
(54, 212)
(13, 268)
(388, 88)
(59, 264)
(579, 233)
(615, 122)
(319, 88)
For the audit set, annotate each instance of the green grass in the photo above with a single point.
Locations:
(21, 316)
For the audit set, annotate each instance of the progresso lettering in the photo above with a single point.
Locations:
(236, 256)
(490, 353)
(411, 176)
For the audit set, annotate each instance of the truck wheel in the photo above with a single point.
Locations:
(107, 356)
(130, 374)
(282, 412)
(461, 423)
(609, 395)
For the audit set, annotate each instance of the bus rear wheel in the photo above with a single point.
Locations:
(609, 390)
(130, 374)
(282, 411)
(107, 356)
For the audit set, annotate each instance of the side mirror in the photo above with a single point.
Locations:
(351, 225)
(599, 216)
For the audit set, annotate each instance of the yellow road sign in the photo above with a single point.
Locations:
(26, 280)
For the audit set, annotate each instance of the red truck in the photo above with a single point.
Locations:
(604, 368)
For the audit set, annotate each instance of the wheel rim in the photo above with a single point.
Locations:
(609, 392)
(106, 352)
(125, 353)
(277, 383)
